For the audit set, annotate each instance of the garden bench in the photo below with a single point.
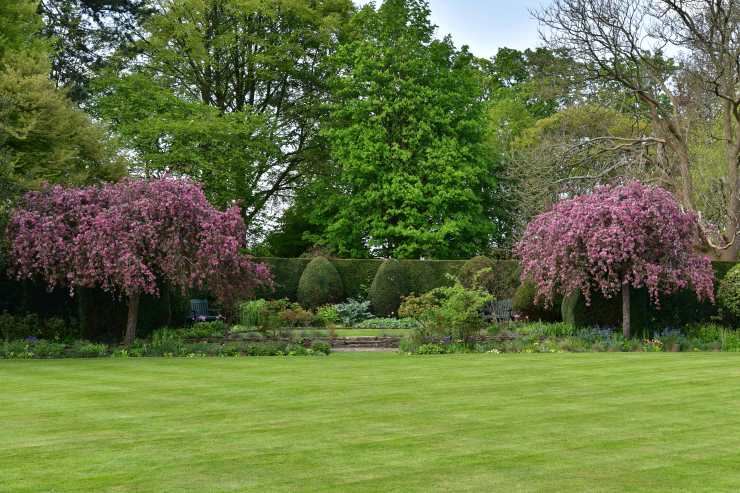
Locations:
(199, 312)
(498, 310)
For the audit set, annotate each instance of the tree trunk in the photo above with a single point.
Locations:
(626, 310)
(133, 318)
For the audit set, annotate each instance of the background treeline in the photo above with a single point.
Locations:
(361, 131)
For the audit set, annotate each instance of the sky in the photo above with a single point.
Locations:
(485, 25)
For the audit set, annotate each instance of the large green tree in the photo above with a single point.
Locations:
(407, 135)
(85, 34)
(229, 92)
(43, 136)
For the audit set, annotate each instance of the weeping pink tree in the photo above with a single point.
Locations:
(126, 236)
(611, 240)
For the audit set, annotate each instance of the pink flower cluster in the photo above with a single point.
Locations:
(124, 237)
(629, 234)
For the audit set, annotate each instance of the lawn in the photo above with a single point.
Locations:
(373, 422)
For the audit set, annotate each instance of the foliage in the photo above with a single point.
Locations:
(32, 325)
(562, 337)
(296, 317)
(328, 315)
(353, 311)
(216, 328)
(450, 312)
(321, 347)
(631, 235)
(87, 35)
(357, 274)
(124, 237)
(319, 284)
(388, 323)
(230, 93)
(498, 278)
(388, 288)
(526, 305)
(406, 129)
(729, 295)
(414, 306)
(251, 313)
(43, 137)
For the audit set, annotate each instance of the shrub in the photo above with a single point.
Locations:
(295, 316)
(321, 347)
(353, 311)
(165, 342)
(457, 316)
(216, 328)
(728, 295)
(319, 284)
(388, 288)
(328, 315)
(524, 304)
(414, 306)
(251, 313)
(430, 348)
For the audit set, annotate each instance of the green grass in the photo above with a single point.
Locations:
(373, 422)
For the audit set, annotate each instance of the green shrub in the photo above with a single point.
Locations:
(728, 295)
(165, 342)
(321, 347)
(523, 304)
(320, 284)
(216, 328)
(431, 348)
(251, 313)
(414, 306)
(328, 315)
(388, 288)
(353, 312)
(457, 315)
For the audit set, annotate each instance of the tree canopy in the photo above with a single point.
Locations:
(407, 135)
(127, 236)
(613, 239)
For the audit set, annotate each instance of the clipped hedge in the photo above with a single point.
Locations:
(358, 274)
(388, 288)
(319, 284)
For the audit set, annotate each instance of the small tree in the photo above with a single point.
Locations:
(126, 236)
(613, 239)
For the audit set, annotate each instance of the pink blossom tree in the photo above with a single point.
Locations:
(123, 237)
(613, 239)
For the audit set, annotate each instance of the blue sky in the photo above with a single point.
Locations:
(485, 25)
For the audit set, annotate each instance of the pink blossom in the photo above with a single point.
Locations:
(630, 234)
(123, 237)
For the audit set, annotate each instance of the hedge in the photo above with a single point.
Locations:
(388, 288)
(358, 274)
(676, 310)
(98, 315)
(319, 284)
